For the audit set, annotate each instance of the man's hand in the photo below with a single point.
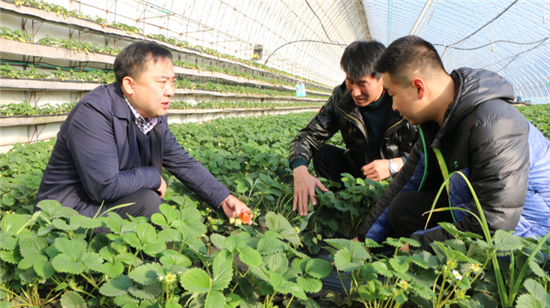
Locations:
(405, 248)
(233, 207)
(162, 188)
(304, 188)
(356, 239)
(379, 169)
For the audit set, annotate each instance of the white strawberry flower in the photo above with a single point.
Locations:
(457, 275)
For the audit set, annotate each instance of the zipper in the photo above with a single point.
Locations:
(425, 175)
(394, 125)
(67, 195)
(362, 128)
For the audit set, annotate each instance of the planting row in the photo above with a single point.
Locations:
(77, 46)
(26, 109)
(51, 254)
(105, 77)
(180, 44)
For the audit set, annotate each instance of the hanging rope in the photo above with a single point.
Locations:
(485, 25)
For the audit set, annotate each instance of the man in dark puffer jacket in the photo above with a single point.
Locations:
(467, 125)
(377, 139)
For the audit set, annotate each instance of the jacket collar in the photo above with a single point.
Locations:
(120, 108)
(472, 88)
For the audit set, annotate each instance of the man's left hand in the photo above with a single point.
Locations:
(379, 169)
(233, 207)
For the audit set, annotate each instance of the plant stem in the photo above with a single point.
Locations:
(288, 305)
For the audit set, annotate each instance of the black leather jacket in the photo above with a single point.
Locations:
(340, 113)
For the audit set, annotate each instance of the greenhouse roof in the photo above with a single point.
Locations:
(308, 37)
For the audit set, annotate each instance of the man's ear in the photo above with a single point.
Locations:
(420, 87)
(128, 85)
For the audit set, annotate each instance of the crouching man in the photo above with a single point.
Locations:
(114, 143)
(467, 124)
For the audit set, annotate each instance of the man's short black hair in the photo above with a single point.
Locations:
(360, 57)
(408, 54)
(132, 60)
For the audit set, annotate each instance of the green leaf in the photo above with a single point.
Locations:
(233, 242)
(12, 257)
(232, 300)
(73, 249)
(154, 248)
(292, 288)
(399, 263)
(195, 280)
(43, 268)
(85, 222)
(265, 288)
(169, 235)
(538, 291)
(270, 245)
(418, 261)
(146, 233)
(505, 241)
(278, 263)
(214, 299)
(528, 301)
(250, 256)
(343, 261)
(114, 269)
(299, 264)
(146, 292)
(5, 304)
(125, 299)
(218, 241)
(7, 242)
(49, 206)
(310, 285)
(117, 286)
(318, 268)
(12, 223)
(65, 264)
(72, 299)
(133, 240)
(29, 261)
(145, 274)
(170, 213)
(382, 268)
(292, 236)
(171, 257)
(95, 262)
(537, 270)
(223, 271)
(33, 246)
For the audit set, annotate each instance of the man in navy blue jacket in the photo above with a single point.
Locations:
(114, 143)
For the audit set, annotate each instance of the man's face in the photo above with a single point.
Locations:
(405, 100)
(365, 90)
(153, 89)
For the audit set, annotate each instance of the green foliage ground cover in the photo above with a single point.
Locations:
(107, 76)
(26, 109)
(50, 255)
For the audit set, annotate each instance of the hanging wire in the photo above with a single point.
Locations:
(495, 42)
(323, 26)
(517, 55)
(481, 28)
(298, 41)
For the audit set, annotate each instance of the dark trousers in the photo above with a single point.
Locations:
(146, 203)
(406, 211)
(329, 162)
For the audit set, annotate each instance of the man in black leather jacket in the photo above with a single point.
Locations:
(377, 139)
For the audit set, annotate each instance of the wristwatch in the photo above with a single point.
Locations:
(393, 167)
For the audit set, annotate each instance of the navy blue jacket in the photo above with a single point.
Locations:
(96, 158)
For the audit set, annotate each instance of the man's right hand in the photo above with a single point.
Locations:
(304, 188)
(162, 188)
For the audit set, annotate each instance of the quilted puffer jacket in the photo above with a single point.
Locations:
(340, 113)
(506, 159)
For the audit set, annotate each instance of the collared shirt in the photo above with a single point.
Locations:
(144, 124)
